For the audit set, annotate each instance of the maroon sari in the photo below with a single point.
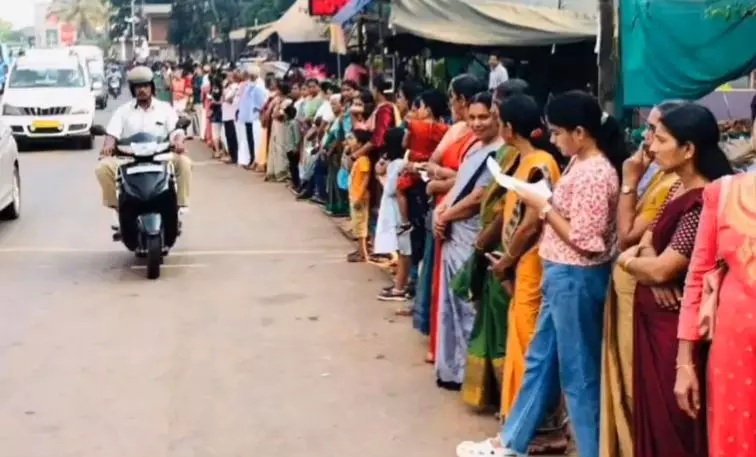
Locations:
(660, 427)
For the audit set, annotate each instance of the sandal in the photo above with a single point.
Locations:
(392, 294)
(355, 257)
(403, 228)
(487, 448)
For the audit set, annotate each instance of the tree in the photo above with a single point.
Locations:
(263, 11)
(190, 29)
(6, 30)
(88, 16)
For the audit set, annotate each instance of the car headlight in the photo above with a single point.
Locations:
(10, 110)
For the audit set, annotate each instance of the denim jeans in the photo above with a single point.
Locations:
(565, 353)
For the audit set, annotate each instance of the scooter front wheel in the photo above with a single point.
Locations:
(154, 247)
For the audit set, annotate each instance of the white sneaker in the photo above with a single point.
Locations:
(183, 210)
(484, 449)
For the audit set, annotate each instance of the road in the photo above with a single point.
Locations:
(258, 340)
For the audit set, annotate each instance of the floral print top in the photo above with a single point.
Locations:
(586, 196)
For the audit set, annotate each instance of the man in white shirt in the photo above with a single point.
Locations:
(228, 113)
(145, 114)
(498, 72)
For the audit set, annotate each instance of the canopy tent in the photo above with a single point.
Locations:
(490, 22)
(662, 59)
(295, 26)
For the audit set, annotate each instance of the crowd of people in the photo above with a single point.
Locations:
(585, 311)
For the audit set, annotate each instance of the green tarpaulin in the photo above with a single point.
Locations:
(672, 49)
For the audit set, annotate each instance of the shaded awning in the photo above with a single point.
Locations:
(350, 10)
(295, 26)
(490, 23)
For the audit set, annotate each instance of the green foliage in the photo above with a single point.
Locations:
(191, 19)
(264, 10)
(6, 31)
(190, 29)
(735, 11)
(89, 16)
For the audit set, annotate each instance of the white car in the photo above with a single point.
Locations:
(10, 177)
(49, 95)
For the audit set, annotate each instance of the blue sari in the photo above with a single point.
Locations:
(457, 315)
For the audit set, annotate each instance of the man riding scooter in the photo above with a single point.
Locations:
(114, 82)
(149, 115)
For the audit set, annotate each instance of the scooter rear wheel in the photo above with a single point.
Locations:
(154, 256)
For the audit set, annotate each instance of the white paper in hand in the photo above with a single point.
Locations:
(540, 188)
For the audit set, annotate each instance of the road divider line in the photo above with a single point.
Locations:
(177, 253)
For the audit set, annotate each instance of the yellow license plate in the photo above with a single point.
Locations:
(46, 124)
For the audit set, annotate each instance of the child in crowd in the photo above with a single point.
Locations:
(216, 118)
(424, 133)
(292, 141)
(359, 194)
(388, 238)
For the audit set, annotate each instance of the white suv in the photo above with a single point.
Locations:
(49, 95)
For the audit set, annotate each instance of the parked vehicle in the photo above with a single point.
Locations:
(10, 176)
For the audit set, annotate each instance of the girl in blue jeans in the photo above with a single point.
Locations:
(577, 247)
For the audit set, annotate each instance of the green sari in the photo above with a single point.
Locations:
(163, 91)
(487, 347)
(337, 203)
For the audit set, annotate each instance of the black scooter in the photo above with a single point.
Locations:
(148, 211)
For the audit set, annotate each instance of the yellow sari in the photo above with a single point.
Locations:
(526, 301)
(617, 348)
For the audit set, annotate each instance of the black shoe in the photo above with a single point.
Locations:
(317, 200)
(392, 295)
(304, 195)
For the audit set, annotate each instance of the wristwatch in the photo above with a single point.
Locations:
(544, 212)
(627, 190)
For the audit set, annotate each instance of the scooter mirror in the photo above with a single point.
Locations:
(97, 130)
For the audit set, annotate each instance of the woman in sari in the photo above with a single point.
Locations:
(266, 117)
(457, 223)
(635, 213)
(482, 384)
(278, 164)
(442, 170)
(162, 84)
(337, 201)
(686, 143)
(576, 250)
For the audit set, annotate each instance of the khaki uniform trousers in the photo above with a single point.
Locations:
(107, 168)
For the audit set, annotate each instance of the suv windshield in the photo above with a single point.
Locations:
(49, 77)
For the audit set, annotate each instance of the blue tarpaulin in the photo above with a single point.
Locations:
(678, 49)
(350, 10)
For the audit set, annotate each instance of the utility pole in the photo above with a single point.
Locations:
(133, 28)
(608, 65)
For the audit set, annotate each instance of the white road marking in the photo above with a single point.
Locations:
(218, 252)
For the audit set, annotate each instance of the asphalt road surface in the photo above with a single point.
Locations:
(257, 341)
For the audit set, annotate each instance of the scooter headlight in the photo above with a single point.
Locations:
(144, 149)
